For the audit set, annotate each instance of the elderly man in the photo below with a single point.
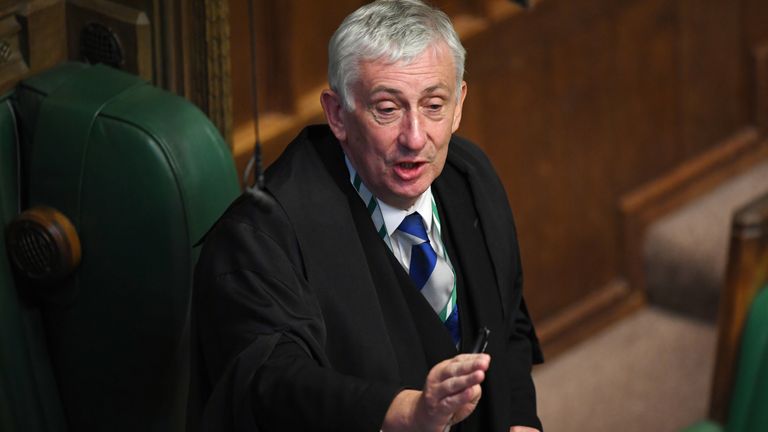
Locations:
(351, 302)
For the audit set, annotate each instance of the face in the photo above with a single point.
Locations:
(397, 135)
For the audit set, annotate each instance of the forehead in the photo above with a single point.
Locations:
(432, 68)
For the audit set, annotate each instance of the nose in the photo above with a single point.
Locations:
(412, 133)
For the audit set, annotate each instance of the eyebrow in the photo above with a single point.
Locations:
(395, 91)
(435, 87)
(390, 90)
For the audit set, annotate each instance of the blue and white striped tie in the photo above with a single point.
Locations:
(432, 274)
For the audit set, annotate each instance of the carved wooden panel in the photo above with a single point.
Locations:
(99, 29)
(207, 31)
(180, 45)
(12, 63)
(30, 38)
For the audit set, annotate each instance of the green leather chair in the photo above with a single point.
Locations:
(141, 174)
(748, 410)
(28, 396)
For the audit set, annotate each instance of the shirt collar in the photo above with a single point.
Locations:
(394, 216)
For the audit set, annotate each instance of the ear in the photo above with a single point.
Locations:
(459, 106)
(333, 108)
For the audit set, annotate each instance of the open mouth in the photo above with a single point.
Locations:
(410, 165)
(409, 170)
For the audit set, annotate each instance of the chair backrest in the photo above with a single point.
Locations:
(28, 395)
(746, 273)
(141, 174)
(749, 403)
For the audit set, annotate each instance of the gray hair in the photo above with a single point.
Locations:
(395, 30)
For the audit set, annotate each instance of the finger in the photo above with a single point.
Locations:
(470, 394)
(463, 402)
(470, 358)
(458, 384)
(454, 386)
(463, 364)
(466, 409)
(457, 406)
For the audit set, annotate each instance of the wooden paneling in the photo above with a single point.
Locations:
(314, 23)
(759, 97)
(713, 73)
(582, 107)
(573, 113)
(459, 7)
(130, 26)
(291, 66)
(578, 103)
(43, 24)
(290, 47)
(12, 63)
(30, 38)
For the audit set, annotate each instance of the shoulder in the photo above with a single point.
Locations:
(310, 165)
(248, 236)
(468, 158)
(466, 151)
(303, 152)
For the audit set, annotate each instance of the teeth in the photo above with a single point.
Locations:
(407, 165)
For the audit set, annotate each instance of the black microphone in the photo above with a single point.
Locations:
(523, 3)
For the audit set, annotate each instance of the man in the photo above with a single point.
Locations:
(346, 302)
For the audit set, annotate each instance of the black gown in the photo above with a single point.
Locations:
(304, 320)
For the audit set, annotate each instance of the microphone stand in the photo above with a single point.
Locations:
(255, 190)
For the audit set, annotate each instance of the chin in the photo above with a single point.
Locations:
(411, 195)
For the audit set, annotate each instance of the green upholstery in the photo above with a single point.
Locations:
(142, 174)
(749, 404)
(748, 408)
(704, 426)
(28, 395)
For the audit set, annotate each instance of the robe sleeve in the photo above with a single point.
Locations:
(525, 352)
(523, 344)
(523, 348)
(261, 335)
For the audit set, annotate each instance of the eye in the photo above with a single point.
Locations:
(434, 106)
(386, 111)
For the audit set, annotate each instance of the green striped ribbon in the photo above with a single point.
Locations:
(378, 222)
(374, 211)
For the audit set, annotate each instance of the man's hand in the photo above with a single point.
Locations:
(450, 394)
(522, 429)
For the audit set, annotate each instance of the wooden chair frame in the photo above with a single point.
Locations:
(746, 272)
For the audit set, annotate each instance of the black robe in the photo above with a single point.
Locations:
(304, 320)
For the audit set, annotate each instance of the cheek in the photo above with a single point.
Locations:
(374, 159)
(442, 154)
(381, 148)
(442, 150)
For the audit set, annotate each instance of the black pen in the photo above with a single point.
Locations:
(481, 342)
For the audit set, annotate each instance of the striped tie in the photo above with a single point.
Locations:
(431, 274)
